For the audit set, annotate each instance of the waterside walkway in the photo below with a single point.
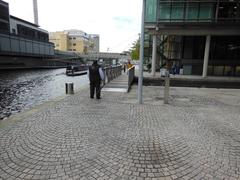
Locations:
(196, 136)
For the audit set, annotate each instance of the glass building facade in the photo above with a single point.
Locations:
(162, 11)
(188, 51)
(4, 17)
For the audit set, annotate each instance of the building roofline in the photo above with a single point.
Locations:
(4, 2)
(27, 22)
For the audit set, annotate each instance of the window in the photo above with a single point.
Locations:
(151, 11)
(74, 44)
(229, 10)
(177, 12)
(195, 11)
(206, 11)
(14, 31)
(164, 11)
(192, 11)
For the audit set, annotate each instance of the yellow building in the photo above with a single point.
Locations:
(60, 40)
(73, 40)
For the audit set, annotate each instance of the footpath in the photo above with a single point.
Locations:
(195, 136)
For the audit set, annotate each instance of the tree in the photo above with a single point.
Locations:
(135, 50)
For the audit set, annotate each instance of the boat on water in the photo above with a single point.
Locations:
(76, 70)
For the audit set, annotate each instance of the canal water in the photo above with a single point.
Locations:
(23, 89)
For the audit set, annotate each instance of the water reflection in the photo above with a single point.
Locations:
(23, 89)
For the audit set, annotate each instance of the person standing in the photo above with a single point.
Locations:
(129, 65)
(95, 75)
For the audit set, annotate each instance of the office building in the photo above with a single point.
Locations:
(202, 37)
(4, 17)
(75, 40)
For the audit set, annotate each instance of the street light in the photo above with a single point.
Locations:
(140, 76)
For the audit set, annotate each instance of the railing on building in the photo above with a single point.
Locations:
(20, 46)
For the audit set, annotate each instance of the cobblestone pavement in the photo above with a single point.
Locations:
(196, 136)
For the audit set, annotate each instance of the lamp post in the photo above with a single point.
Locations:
(140, 76)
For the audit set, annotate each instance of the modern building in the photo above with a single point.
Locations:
(94, 43)
(23, 44)
(75, 40)
(4, 17)
(202, 37)
(27, 30)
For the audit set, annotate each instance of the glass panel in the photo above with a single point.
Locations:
(238, 71)
(218, 70)
(151, 11)
(164, 12)
(206, 11)
(192, 11)
(228, 10)
(177, 11)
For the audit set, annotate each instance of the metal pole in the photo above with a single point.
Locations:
(154, 54)
(140, 76)
(206, 56)
(166, 89)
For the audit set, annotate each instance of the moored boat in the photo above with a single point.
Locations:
(76, 70)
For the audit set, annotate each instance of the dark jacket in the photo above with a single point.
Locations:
(94, 74)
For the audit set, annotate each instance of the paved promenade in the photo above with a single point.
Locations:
(196, 136)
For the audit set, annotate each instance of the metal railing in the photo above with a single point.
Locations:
(131, 74)
(111, 73)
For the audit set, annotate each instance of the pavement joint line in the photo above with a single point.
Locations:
(83, 138)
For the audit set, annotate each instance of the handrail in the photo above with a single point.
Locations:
(111, 73)
(130, 73)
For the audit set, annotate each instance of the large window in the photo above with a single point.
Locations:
(31, 33)
(229, 11)
(226, 47)
(164, 11)
(177, 11)
(192, 11)
(172, 11)
(151, 11)
(205, 11)
(193, 47)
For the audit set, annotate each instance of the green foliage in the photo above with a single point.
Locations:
(135, 50)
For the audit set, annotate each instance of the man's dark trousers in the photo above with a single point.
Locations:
(95, 85)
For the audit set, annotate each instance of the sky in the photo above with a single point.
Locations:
(118, 22)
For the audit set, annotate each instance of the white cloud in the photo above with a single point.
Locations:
(116, 21)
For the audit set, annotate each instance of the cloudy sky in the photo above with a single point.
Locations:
(118, 22)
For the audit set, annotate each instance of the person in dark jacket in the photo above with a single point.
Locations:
(95, 75)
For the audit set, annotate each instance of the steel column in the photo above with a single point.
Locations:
(206, 56)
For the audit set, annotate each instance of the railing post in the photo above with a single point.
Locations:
(166, 89)
(130, 76)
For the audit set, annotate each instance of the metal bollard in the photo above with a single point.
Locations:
(166, 89)
(69, 88)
